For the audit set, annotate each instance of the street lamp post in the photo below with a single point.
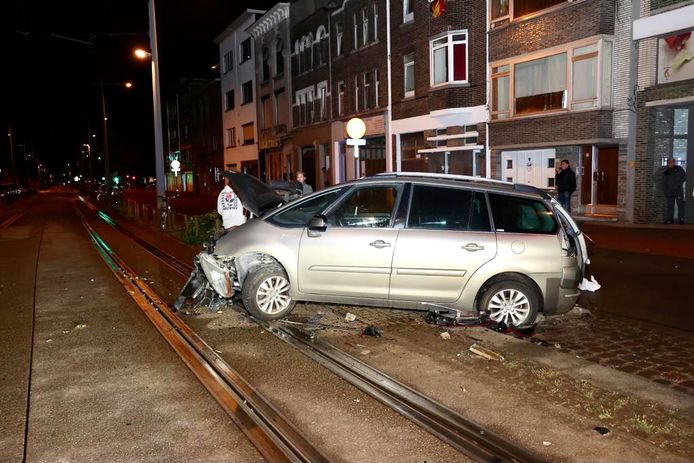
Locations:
(107, 172)
(156, 99)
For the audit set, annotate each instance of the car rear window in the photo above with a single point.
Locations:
(436, 208)
(522, 215)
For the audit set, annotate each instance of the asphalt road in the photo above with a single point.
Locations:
(645, 273)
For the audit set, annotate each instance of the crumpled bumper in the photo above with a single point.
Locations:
(208, 271)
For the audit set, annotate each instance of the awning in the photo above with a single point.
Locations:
(443, 149)
(670, 22)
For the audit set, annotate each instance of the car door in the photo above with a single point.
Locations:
(353, 256)
(446, 238)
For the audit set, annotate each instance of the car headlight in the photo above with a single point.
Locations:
(218, 274)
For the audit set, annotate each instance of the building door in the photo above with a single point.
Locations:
(308, 164)
(529, 167)
(587, 175)
(606, 175)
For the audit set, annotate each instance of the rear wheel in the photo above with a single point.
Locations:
(512, 302)
(265, 293)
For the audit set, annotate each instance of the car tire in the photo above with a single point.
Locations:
(265, 293)
(512, 302)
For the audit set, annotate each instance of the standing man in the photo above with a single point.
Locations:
(229, 207)
(302, 187)
(566, 184)
(673, 178)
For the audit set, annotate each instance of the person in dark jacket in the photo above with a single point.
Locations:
(673, 178)
(566, 184)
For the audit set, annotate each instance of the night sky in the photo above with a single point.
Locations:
(49, 84)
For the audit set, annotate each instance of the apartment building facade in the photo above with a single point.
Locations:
(663, 30)
(439, 87)
(551, 73)
(270, 33)
(237, 58)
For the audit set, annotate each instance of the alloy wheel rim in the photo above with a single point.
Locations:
(509, 306)
(273, 295)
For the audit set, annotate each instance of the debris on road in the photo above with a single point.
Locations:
(591, 285)
(365, 352)
(486, 353)
(601, 430)
(80, 325)
(350, 317)
(445, 335)
(371, 331)
(546, 443)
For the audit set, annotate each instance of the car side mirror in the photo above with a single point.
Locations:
(317, 224)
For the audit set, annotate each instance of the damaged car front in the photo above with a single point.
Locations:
(215, 275)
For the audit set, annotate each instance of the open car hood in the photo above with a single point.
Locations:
(255, 195)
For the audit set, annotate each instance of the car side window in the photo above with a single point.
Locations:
(299, 214)
(366, 207)
(522, 215)
(436, 208)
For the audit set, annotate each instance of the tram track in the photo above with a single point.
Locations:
(271, 433)
(446, 424)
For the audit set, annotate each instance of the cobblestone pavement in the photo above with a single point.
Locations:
(661, 354)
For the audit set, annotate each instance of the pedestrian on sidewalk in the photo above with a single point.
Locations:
(229, 206)
(566, 184)
(673, 179)
(302, 187)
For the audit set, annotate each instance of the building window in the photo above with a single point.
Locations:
(364, 26)
(356, 94)
(366, 92)
(338, 42)
(500, 89)
(268, 118)
(248, 133)
(409, 75)
(228, 61)
(322, 95)
(578, 78)
(246, 53)
(231, 137)
(229, 100)
(449, 59)
(377, 85)
(503, 11)
(375, 28)
(320, 43)
(266, 64)
(247, 92)
(279, 58)
(408, 10)
(356, 31)
(307, 52)
(340, 98)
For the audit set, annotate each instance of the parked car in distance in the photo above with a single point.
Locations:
(402, 240)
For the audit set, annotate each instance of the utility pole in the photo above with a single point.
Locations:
(107, 171)
(158, 137)
(14, 167)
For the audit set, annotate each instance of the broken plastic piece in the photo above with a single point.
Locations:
(445, 335)
(601, 430)
(546, 443)
(350, 317)
(486, 353)
(371, 331)
(591, 285)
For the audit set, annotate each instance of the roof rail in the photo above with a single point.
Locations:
(442, 176)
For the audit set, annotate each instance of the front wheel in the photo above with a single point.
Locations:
(265, 293)
(514, 303)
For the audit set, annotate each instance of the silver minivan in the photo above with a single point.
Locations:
(404, 240)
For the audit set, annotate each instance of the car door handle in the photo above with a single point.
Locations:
(472, 247)
(380, 244)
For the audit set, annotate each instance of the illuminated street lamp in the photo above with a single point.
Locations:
(128, 85)
(356, 128)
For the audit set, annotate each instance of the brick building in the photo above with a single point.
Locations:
(274, 89)
(553, 69)
(665, 104)
(439, 87)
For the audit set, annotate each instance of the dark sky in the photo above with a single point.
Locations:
(49, 90)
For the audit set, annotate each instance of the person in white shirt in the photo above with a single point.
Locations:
(229, 207)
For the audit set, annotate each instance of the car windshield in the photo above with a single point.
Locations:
(299, 213)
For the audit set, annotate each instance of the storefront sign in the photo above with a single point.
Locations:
(268, 143)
